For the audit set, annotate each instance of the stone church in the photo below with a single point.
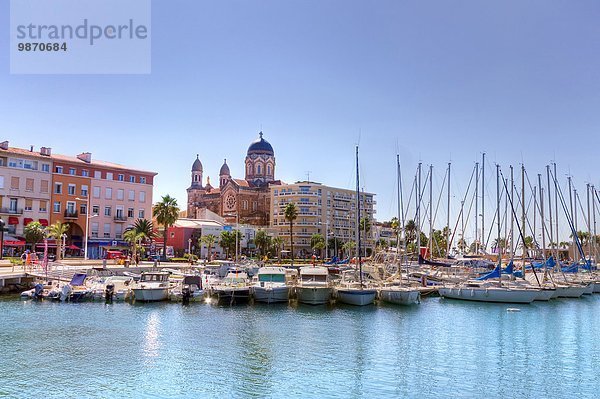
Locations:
(248, 198)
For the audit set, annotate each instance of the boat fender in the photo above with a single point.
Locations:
(472, 293)
(487, 293)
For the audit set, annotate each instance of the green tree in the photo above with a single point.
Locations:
(56, 231)
(34, 232)
(208, 240)
(277, 244)
(166, 213)
(317, 242)
(348, 247)
(410, 231)
(290, 214)
(227, 241)
(261, 239)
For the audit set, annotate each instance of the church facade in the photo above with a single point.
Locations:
(245, 200)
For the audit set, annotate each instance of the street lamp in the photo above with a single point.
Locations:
(87, 224)
(64, 241)
(190, 246)
(1, 237)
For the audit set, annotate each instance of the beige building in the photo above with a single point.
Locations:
(324, 210)
(25, 184)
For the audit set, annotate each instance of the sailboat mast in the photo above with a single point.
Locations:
(430, 211)
(525, 251)
(400, 212)
(418, 198)
(542, 216)
(571, 207)
(589, 226)
(448, 216)
(512, 216)
(594, 221)
(498, 246)
(483, 202)
(358, 222)
(476, 208)
(555, 206)
(550, 208)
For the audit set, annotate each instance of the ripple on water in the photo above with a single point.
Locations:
(440, 348)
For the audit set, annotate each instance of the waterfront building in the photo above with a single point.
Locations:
(117, 196)
(324, 210)
(25, 181)
(245, 201)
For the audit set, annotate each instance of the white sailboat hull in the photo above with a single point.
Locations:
(400, 296)
(596, 287)
(314, 295)
(269, 294)
(572, 291)
(150, 294)
(545, 295)
(495, 294)
(356, 296)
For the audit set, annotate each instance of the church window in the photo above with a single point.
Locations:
(254, 205)
(195, 178)
(245, 205)
(258, 169)
(249, 169)
(268, 169)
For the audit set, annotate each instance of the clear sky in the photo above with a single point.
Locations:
(434, 80)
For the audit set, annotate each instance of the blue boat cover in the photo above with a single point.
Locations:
(509, 268)
(78, 279)
(333, 261)
(493, 274)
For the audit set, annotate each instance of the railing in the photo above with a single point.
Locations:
(71, 214)
(120, 219)
(11, 211)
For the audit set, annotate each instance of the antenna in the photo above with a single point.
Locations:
(308, 175)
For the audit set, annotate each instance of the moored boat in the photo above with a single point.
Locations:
(152, 287)
(271, 285)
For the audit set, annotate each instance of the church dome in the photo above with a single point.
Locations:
(224, 169)
(260, 146)
(197, 165)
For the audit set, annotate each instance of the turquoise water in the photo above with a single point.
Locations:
(438, 349)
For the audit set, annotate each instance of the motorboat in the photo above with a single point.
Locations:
(271, 285)
(353, 292)
(152, 287)
(233, 289)
(313, 287)
(188, 289)
(112, 288)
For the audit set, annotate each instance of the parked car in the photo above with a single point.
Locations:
(115, 255)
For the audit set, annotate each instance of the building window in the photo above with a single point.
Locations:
(142, 196)
(106, 230)
(109, 176)
(95, 227)
(43, 206)
(71, 189)
(254, 205)
(131, 195)
(45, 186)
(142, 180)
(56, 207)
(72, 171)
(70, 207)
(14, 183)
(58, 169)
(107, 211)
(245, 205)
(120, 194)
(121, 177)
(119, 212)
(108, 193)
(258, 169)
(130, 212)
(84, 190)
(45, 167)
(28, 184)
(96, 192)
(95, 209)
(85, 173)
(141, 214)
(83, 209)
(28, 205)
(57, 188)
(268, 169)
(118, 231)
(97, 174)
(131, 179)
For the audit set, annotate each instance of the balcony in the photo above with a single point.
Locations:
(120, 219)
(11, 211)
(71, 214)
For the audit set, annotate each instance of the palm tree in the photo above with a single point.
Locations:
(227, 240)
(141, 231)
(410, 231)
(166, 212)
(261, 239)
(34, 232)
(277, 243)
(208, 240)
(317, 242)
(290, 214)
(133, 237)
(348, 247)
(56, 231)
(146, 227)
(395, 225)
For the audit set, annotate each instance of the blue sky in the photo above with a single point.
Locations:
(434, 80)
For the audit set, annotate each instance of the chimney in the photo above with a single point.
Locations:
(85, 157)
(4, 145)
(31, 148)
(46, 151)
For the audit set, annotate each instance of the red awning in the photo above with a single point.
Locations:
(26, 221)
(44, 222)
(13, 220)
(12, 243)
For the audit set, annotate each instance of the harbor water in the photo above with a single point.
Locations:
(440, 348)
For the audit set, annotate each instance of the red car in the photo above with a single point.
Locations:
(114, 255)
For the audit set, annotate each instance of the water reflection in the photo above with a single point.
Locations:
(152, 334)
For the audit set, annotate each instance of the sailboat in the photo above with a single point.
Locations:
(395, 292)
(355, 293)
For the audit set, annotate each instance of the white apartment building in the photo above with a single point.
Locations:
(324, 210)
